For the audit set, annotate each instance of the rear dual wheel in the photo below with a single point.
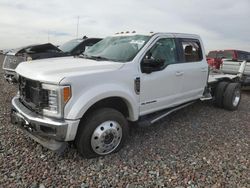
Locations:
(228, 95)
(232, 96)
(219, 93)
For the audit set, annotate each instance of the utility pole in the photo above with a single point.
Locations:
(77, 27)
(48, 35)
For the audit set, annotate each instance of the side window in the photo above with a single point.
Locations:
(192, 50)
(243, 56)
(164, 50)
(248, 57)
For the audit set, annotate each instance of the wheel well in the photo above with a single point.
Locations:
(214, 85)
(116, 103)
(227, 80)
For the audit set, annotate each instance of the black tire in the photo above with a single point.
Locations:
(232, 96)
(219, 93)
(90, 124)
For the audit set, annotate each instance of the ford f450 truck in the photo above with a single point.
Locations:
(91, 99)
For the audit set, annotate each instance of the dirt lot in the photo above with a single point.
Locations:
(200, 146)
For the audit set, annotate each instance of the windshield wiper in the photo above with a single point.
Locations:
(101, 58)
(98, 58)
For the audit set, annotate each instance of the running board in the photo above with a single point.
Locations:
(151, 119)
(206, 97)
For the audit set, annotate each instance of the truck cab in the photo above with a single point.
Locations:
(91, 99)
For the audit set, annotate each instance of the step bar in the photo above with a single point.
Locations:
(151, 119)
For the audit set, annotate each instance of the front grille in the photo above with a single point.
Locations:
(32, 95)
(11, 61)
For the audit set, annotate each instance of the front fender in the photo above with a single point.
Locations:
(81, 104)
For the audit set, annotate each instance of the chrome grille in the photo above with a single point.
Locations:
(32, 95)
(11, 62)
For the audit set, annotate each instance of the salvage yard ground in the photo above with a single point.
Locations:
(200, 146)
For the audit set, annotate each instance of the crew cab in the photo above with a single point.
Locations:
(41, 51)
(91, 99)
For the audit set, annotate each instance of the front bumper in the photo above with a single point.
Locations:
(49, 132)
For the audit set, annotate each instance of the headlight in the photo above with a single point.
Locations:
(57, 97)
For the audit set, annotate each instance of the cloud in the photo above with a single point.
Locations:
(221, 24)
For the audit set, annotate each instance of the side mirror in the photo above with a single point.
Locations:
(77, 52)
(151, 65)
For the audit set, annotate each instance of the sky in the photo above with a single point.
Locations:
(222, 24)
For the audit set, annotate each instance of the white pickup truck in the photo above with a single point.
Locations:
(91, 99)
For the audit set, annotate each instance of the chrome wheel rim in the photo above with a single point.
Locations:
(106, 137)
(236, 98)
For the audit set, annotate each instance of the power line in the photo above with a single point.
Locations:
(77, 27)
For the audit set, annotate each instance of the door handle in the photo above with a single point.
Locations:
(204, 69)
(179, 73)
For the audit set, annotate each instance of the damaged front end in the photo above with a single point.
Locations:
(11, 61)
(28, 114)
(15, 57)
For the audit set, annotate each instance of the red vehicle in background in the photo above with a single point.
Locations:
(214, 58)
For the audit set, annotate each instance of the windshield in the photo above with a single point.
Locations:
(227, 54)
(70, 45)
(117, 48)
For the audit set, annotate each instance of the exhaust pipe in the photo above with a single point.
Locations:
(242, 69)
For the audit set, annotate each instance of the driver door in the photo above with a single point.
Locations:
(162, 87)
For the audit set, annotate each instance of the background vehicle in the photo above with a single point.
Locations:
(214, 58)
(42, 51)
(77, 46)
(90, 99)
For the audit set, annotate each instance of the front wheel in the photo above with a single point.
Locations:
(102, 132)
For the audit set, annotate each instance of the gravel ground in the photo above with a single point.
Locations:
(200, 146)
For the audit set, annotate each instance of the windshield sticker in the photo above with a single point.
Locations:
(139, 42)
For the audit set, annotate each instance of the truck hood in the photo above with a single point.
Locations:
(53, 70)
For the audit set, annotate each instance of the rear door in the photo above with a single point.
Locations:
(195, 68)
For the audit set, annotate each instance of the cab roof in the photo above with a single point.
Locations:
(183, 35)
